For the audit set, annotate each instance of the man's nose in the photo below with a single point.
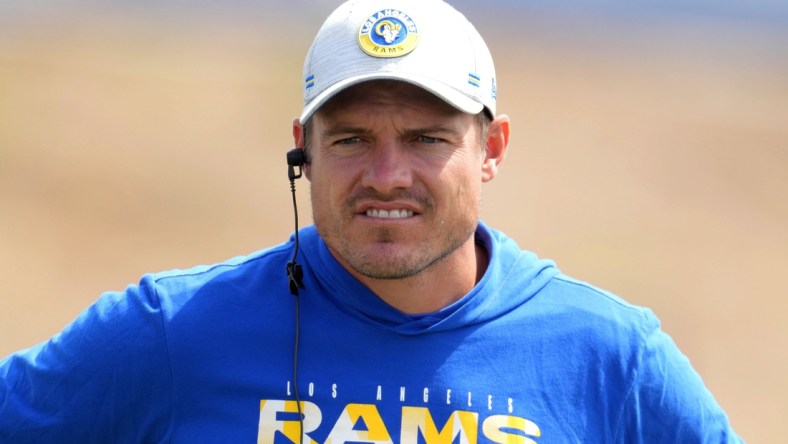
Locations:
(388, 168)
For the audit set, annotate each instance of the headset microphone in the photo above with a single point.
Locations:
(295, 158)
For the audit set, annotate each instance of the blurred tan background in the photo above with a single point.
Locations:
(649, 157)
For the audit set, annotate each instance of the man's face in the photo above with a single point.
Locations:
(395, 177)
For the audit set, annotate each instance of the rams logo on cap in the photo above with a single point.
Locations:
(388, 33)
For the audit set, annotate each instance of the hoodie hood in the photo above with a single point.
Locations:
(509, 267)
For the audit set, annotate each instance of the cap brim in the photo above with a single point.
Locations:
(448, 94)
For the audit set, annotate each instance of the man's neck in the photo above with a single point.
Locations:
(436, 287)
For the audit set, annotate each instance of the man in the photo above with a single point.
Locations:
(398, 317)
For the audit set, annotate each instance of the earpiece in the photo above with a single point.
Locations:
(295, 158)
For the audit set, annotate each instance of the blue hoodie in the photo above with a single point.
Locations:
(207, 355)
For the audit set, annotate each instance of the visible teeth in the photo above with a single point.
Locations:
(393, 214)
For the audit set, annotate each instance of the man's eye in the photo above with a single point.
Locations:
(428, 139)
(347, 140)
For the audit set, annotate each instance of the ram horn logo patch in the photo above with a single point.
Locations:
(388, 33)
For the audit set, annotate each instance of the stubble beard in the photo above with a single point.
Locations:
(351, 248)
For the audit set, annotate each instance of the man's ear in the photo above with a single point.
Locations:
(298, 142)
(497, 143)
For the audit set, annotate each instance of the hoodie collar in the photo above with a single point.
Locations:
(511, 279)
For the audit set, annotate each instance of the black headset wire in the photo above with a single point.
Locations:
(295, 158)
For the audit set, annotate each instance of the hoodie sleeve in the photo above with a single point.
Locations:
(668, 401)
(105, 378)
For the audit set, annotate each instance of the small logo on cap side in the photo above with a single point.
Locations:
(388, 33)
(474, 79)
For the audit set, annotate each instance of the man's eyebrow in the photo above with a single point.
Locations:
(343, 130)
(435, 129)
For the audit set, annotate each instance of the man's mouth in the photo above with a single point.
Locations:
(389, 214)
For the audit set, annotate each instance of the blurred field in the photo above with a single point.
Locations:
(649, 159)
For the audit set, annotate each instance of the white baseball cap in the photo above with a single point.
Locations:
(424, 42)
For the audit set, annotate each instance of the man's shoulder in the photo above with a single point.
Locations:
(584, 293)
(587, 306)
(255, 262)
(231, 279)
